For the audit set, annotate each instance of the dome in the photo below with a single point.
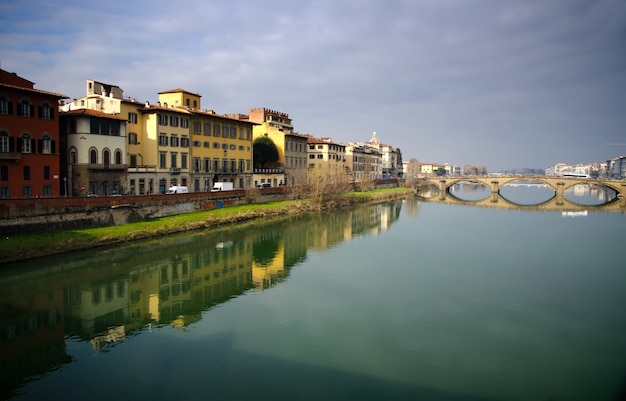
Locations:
(374, 140)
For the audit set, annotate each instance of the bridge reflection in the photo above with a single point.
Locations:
(558, 202)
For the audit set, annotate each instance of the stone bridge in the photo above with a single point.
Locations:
(558, 184)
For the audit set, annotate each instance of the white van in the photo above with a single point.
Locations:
(177, 190)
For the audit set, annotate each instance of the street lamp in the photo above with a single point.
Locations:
(65, 183)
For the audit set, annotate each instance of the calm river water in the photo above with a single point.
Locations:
(403, 300)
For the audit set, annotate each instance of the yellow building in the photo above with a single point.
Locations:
(326, 159)
(220, 146)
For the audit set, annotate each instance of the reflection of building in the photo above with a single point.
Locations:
(32, 332)
(268, 271)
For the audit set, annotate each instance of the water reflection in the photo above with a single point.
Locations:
(104, 296)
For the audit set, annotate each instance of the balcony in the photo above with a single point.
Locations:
(174, 170)
(10, 156)
(108, 166)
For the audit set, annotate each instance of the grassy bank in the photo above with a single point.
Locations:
(29, 246)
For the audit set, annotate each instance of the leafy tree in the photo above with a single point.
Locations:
(440, 172)
(264, 152)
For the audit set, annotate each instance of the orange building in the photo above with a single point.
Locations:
(29, 139)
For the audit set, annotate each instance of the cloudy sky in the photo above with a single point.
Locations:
(506, 84)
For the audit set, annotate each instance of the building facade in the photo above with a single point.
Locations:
(94, 148)
(326, 160)
(29, 139)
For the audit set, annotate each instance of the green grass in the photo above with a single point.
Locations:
(26, 246)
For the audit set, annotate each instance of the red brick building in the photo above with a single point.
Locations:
(29, 139)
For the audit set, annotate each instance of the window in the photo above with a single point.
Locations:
(183, 160)
(4, 192)
(217, 129)
(5, 106)
(133, 160)
(241, 133)
(174, 157)
(311, 156)
(45, 112)
(184, 142)
(207, 128)
(320, 156)
(26, 109)
(216, 145)
(106, 156)
(224, 165)
(207, 164)
(197, 127)
(118, 157)
(162, 160)
(206, 144)
(73, 156)
(162, 119)
(132, 138)
(233, 147)
(163, 140)
(132, 118)
(27, 191)
(184, 122)
(4, 173)
(233, 132)
(174, 140)
(197, 144)
(5, 142)
(93, 156)
(225, 131)
(26, 173)
(173, 121)
(47, 190)
(46, 172)
(196, 165)
(26, 143)
(45, 145)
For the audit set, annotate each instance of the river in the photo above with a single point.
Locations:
(402, 300)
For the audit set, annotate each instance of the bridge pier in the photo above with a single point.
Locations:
(495, 191)
(560, 193)
(443, 189)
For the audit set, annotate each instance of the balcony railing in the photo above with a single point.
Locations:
(269, 171)
(108, 166)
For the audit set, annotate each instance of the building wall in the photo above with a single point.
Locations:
(32, 170)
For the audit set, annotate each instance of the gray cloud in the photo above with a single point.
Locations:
(507, 84)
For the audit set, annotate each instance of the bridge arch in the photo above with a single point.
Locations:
(558, 184)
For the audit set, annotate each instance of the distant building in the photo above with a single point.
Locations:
(326, 159)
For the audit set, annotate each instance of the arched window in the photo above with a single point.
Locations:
(118, 157)
(93, 156)
(106, 156)
(5, 106)
(26, 143)
(45, 145)
(73, 156)
(46, 112)
(26, 109)
(6, 142)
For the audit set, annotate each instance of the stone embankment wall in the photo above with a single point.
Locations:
(31, 215)
(21, 216)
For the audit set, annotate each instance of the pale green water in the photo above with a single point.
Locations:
(404, 300)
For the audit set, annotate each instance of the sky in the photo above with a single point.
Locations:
(504, 84)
